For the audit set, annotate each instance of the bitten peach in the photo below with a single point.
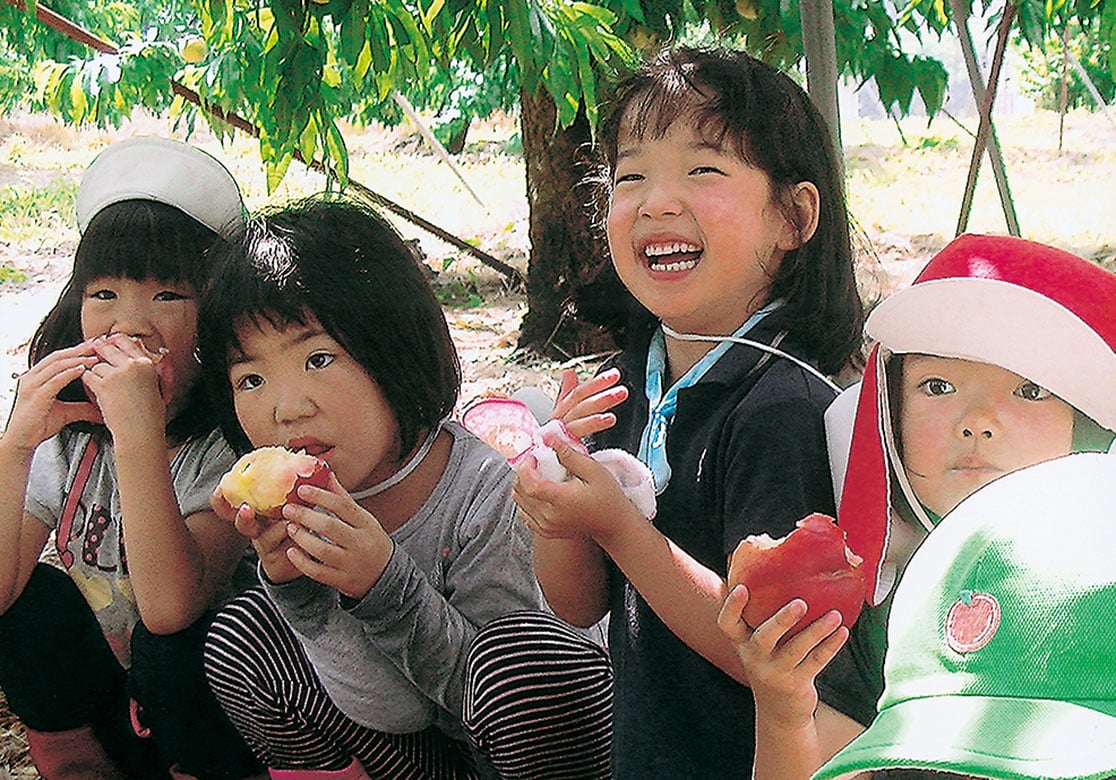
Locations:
(269, 477)
(812, 563)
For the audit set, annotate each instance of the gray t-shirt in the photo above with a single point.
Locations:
(395, 661)
(90, 543)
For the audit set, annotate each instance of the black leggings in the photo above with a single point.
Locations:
(58, 673)
(538, 702)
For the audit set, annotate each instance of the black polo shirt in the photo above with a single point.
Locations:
(748, 455)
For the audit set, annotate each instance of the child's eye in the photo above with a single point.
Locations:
(248, 382)
(1029, 391)
(319, 360)
(706, 169)
(623, 178)
(103, 294)
(171, 295)
(936, 386)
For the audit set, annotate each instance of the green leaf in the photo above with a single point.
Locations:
(429, 15)
(1108, 32)
(338, 151)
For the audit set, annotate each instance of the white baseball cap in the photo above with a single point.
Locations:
(165, 171)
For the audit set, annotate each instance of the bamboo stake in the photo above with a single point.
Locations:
(986, 130)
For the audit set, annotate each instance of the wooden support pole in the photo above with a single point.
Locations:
(985, 98)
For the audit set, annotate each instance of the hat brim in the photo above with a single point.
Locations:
(1010, 326)
(1002, 738)
(165, 171)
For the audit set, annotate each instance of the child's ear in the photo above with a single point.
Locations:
(804, 207)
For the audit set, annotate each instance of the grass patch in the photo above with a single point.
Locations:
(37, 213)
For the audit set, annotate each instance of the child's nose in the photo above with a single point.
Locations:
(660, 200)
(132, 321)
(292, 404)
(980, 421)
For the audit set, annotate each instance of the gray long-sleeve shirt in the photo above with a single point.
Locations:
(395, 660)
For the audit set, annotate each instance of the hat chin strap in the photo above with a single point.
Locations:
(893, 450)
(888, 568)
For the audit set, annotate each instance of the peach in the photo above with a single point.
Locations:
(812, 563)
(269, 477)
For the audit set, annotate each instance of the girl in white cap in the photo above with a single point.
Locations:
(999, 356)
(110, 454)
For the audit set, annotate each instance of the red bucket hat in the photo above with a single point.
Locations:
(1037, 311)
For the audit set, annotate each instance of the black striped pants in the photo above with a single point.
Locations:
(538, 702)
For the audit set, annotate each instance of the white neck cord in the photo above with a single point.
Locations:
(403, 473)
(758, 345)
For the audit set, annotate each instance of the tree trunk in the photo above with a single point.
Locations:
(566, 252)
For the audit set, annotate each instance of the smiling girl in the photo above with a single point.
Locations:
(727, 224)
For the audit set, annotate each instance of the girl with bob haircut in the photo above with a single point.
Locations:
(111, 437)
(363, 652)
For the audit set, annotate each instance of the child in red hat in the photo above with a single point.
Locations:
(999, 356)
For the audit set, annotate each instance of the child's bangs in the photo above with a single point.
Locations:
(651, 114)
(261, 319)
(266, 291)
(141, 240)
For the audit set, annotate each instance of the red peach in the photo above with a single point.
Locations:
(812, 563)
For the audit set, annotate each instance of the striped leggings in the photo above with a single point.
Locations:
(538, 703)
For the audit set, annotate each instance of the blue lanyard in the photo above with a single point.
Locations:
(661, 407)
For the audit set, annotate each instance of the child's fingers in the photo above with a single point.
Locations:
(53, 377)
(308, 566)
(249, 524)
(531, 486)
(335, 500)
(329, 570)
(574, 392)
(271, 536)
(802, 645)
(591, 397)
(316, 544)
(772, 630)
(531, 504)
(594, 423)
(110, 349)
(579, 465)
(221, 507)
(568, 385)
(820, 656)
(731, 617)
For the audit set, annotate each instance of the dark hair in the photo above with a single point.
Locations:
(138, 240)
(764, 117)
(343, 264)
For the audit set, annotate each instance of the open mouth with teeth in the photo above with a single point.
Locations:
(672, 257)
